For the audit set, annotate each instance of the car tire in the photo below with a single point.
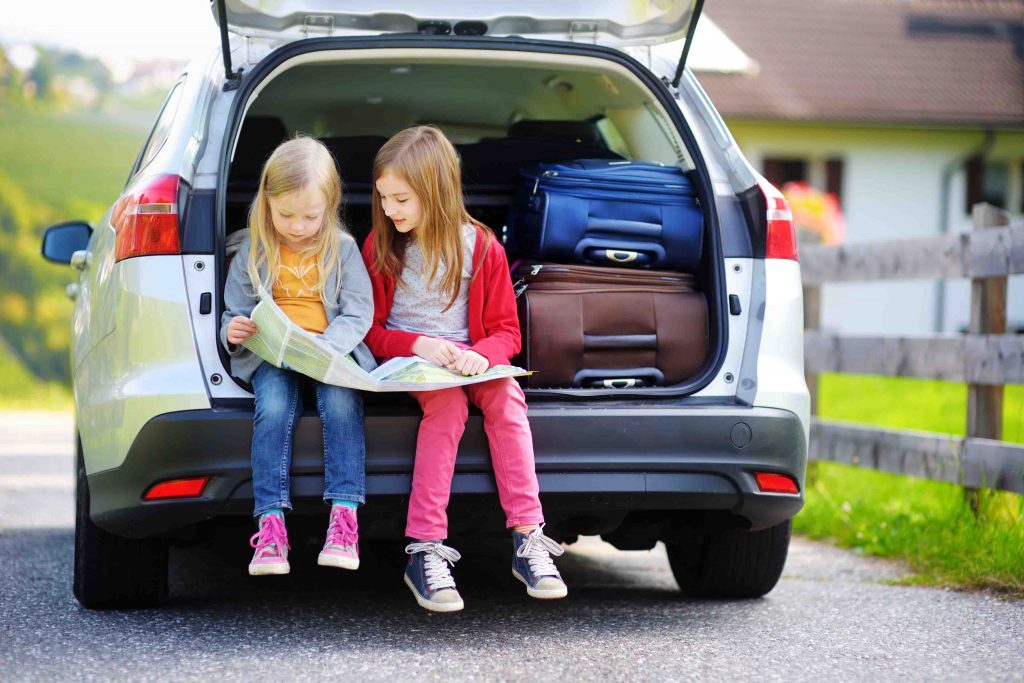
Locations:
(112, 571)
(733, 563)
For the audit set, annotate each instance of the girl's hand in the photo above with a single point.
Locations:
(440, 352)
(469, 363)
(240, 328)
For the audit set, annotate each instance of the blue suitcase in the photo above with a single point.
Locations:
(608, 213)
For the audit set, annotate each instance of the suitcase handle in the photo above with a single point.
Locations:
(622, 227)
(618, 378)
(605, 342)
(621, 256)
(590, 250)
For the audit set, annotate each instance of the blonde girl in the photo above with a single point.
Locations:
(297, 249)
(442, 291)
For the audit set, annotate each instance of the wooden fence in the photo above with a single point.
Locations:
(986, 357)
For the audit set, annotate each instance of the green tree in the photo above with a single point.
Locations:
(34, 314)
(10, 80)
(43, 73)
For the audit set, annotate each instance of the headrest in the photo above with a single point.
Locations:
(355, 155)
(259, 137)
(579, 131)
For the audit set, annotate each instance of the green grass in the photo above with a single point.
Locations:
(899, 403)
(73, 162)
(20, 390)
(927, 524)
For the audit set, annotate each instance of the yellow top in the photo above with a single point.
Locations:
(297, 275)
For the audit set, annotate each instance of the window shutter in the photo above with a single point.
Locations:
(975, 170)
(778, 171)
(772, 171)
(834, 179)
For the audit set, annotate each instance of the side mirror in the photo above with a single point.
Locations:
(64, 239)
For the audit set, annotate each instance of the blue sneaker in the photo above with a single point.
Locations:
(429, 578)
(532, 564)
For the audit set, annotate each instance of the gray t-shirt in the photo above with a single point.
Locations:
(419, 305)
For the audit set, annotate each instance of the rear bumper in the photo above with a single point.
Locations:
(591, 461)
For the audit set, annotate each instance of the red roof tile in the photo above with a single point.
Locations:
(922, 62)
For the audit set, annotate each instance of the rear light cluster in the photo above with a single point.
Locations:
(145, 219)
(177, 488)
(770, 482)
(780, 240)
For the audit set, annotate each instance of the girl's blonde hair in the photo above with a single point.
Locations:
(425, 159)
(296, 165)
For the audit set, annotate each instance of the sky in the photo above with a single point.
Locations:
(113, 29)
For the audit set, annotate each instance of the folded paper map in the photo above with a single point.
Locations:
(284, 344)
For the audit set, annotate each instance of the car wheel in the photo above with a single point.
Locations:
(730, 564)
(113, 571)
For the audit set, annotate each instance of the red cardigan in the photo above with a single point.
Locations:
(493, 320)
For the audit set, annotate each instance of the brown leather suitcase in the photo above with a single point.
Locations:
(593, 327)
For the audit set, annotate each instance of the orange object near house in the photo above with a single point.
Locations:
(815, 212)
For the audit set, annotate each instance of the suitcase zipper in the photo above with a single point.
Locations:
(602, 182)
(545, 174)
(574, 179)
(613, 290)
(618, 192)
(567, 273)
(520, 285)
(665, 283)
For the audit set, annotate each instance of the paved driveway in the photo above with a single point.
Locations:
(832, 616)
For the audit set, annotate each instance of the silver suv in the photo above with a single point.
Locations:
(712, 466)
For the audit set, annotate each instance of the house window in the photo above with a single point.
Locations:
(987, 181)
(826, 175)
(778, 172)
(834, 178)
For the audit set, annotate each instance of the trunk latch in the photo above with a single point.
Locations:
(583, 32)
(318, 23)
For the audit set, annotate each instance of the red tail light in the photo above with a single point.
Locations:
(145, 219)
(177, 488)
(780, 241)
(769, 482)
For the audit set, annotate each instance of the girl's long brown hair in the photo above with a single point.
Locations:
(425, 159)
(295, 165)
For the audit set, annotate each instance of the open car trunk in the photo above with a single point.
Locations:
(505, 111)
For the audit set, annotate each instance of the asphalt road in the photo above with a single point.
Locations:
(832, 615)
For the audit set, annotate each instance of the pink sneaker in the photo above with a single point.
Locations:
(341, 549)
(271, 543)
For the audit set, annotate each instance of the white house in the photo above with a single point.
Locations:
(909, 110)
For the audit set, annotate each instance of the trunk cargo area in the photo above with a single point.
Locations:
(505, 119)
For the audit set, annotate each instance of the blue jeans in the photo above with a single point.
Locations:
(278, 409)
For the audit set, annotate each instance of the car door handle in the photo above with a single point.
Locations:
(80, 259)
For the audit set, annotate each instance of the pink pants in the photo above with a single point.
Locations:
(508, 432)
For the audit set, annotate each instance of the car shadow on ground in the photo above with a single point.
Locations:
(217, 570)
(213, 600)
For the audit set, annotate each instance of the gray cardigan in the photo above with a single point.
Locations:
(348, 319)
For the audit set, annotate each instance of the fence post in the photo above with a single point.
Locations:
(812, 321)
(988, 316)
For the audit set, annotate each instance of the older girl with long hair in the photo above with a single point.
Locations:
(298, 251)
(442, 291)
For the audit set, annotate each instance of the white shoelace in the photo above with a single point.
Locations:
(538, 549)
(436, 561)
